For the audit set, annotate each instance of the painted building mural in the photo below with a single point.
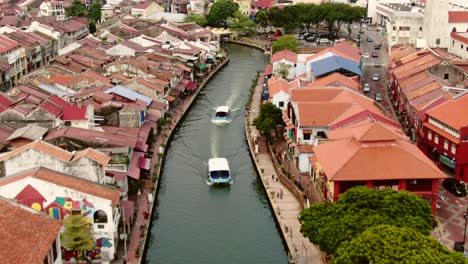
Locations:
(60, 208)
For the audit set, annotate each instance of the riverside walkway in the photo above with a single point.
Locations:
(286, 207)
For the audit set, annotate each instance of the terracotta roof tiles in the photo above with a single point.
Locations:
(32, 236)
(452, 112)
(92, 154)
(393, 157)
(66, 181)
(40, 146)
(284, 55)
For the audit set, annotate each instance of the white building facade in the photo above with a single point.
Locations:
(53, 8)
(59, 195)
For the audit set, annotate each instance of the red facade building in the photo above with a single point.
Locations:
(445, 135)
(373, 154)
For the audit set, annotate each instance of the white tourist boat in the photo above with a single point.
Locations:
(222, 115)
(218, 171)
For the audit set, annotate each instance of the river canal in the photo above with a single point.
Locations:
(197, 223)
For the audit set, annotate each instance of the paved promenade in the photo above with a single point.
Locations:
(285, 205)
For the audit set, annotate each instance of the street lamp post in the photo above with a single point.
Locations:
(460, 245)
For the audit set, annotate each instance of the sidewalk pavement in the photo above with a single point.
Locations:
(285, 205)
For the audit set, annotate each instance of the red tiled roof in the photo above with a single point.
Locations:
(458, 16)
(284, 55)
(92, 154)
(74, 112)
(262, 3)
(142, 5)
(452, 112)
(5, 101)
(7, 44)
(32, 91)
(61, 79)
(67, 181)
(27, 235)
(134, 168)
(51, 108)
(393, 157)
(105, 138)
(335, 79)
(40, 146)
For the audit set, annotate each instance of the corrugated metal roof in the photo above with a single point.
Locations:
(334, 63)
(127, 93)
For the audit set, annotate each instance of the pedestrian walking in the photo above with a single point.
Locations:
(272, 177)
(281, 193)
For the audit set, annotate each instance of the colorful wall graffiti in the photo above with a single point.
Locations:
(59, 209)
(95, 254)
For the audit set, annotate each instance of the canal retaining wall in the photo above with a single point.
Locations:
(164, 137)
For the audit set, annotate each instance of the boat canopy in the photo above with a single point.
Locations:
(218, 164)
(223, 108)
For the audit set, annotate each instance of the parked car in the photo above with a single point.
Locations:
(355, 27)
(369, 29)
(356, 39)
(369, 39)
(378, 97)
(456, 188)
(375, 77)
(377, 46)
(324, 41)
(311, 39)
(366, 88)
(364, 25)
(375, 54)
(366, 55)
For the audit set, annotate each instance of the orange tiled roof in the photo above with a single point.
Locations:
(277, 84)
(376, 155)
(452, 112)
(40, 146)
(327, 106)
(66, 181)
(321, 114)
(335, 79)
(401, 52)
(423, 90)
(286, 55)
(27, 235)
(415, 66)
(313, 95)
(93, 154)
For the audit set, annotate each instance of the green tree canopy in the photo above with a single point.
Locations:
(77, 234)
(197, 18)
(242, 23)
(220, 11)
(261, 18)
(92, 27)
(94, 13)
(385, 244)
(77, 9)
(328, 225)
(285, 42)
(269, 117)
